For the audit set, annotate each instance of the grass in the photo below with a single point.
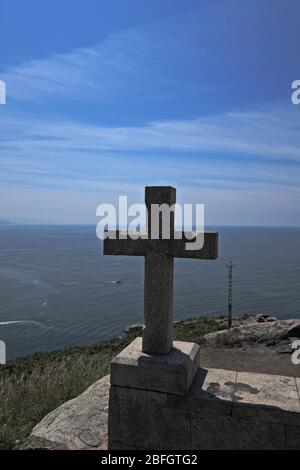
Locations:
(31, 387)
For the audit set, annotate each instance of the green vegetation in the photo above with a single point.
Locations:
(31, 387)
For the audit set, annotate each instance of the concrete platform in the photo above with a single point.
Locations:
(252, 359)
(222, 410)
(170, 373)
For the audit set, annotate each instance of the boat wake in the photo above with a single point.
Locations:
(106, 282)
(75, 283)
(14, 322)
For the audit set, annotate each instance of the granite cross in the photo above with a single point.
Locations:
(159, 261)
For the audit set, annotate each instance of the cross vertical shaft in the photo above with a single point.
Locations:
(158, 288)
(158, 304)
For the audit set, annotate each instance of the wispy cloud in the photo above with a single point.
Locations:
(180, 55)
(193, 54)
(133, 61)
(271, 134)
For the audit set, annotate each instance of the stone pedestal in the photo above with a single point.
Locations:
(169, 403)
(169, 373)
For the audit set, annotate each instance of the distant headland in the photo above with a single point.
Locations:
(6, 222)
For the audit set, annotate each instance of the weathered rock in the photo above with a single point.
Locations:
(261, 318)
(79, 424)
(135, 328)
(277, 333)
(294, 331)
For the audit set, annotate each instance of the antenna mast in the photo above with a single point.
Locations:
(230, 267)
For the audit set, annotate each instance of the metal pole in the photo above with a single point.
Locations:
(230, 267)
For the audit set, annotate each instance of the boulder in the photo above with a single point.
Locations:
(275, 333)
(261, 318)
(136, 328)
(79, 424)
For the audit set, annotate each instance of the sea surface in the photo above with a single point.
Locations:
(57, 289)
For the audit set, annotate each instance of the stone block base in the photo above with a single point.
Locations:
(170, 373)
(222, 410)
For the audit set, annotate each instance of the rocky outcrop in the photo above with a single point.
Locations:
(276, 334)
(79, 424)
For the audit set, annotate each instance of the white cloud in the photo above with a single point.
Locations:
(131, 60)
(147, 62)
(65, 170)
(269, 134)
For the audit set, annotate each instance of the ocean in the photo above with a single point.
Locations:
(58, 290)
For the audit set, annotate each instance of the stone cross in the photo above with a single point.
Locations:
(159, 262)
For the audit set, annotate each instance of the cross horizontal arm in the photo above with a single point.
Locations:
(209, 250)
(121, 243)
(115, 243)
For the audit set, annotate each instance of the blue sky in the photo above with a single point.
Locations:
(107, 96)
